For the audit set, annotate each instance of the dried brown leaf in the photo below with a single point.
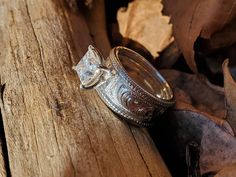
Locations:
(196, 91)
(225, 37)
(187, 124)
(194, 18)
(217, 150)
(230, 93)
(143, 22)
(218, 147)
(182, 125)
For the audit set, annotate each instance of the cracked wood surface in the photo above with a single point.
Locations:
(51, 127)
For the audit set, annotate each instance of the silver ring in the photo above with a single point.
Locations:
(127, 83)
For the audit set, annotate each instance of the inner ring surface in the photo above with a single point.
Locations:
(144, 74)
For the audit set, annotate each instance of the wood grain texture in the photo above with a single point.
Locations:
(2, 162)
(51, 127)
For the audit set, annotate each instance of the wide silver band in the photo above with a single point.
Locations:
(127, 83)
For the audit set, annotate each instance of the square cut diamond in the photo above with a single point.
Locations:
(88, 67)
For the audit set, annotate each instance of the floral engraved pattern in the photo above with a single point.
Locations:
(134, 104)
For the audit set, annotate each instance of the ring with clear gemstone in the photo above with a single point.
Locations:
(127, 83)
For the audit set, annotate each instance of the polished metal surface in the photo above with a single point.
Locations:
(127, 83)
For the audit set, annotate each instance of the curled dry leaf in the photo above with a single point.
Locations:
(218, 146)
(230, 93)
(144, 22)
(196, 91)
(194, 18)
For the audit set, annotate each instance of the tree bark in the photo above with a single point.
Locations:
(51, 127)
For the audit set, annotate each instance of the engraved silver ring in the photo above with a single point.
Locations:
(127, 83)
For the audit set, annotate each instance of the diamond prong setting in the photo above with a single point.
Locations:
(88, 69)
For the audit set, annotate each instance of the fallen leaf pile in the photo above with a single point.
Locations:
(200, 115)
(196, 137)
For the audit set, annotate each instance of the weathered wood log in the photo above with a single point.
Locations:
(51, 127)
(2, 162)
